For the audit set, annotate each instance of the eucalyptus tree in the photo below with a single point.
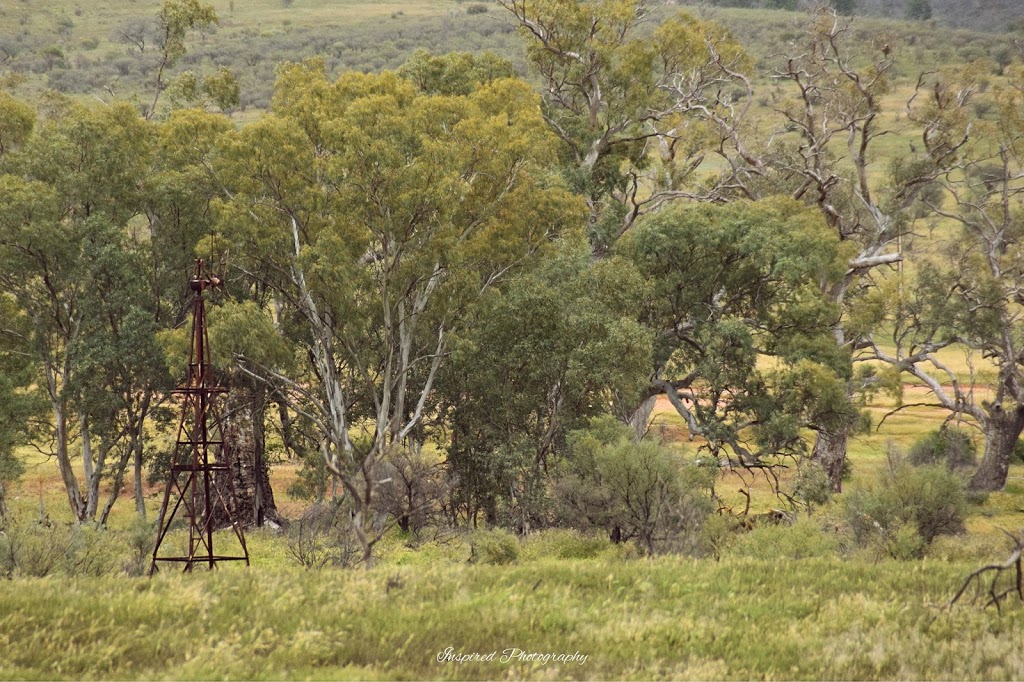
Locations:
(968, 294)
(541, 356)
(119, 366)
(637, 108)
(823, 155)
(174, 20)
(68, 189)
(17, 120)
(743, 345)
(379, 215)
(21, 402)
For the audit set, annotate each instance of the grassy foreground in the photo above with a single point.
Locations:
(819, 618)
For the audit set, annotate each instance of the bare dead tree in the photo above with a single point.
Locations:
(824, 152)
(974, 300)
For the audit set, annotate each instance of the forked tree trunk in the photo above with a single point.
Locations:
(830, 452)
(1002, 430)
(74, 493)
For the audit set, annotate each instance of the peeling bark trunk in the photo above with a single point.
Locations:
(3, 503)
(830, 452)
(1001, 433)
(245, 446)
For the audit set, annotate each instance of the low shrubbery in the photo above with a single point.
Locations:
(948, 446)
(640, 491)
(323, 536)
(38, 548)
(906, 509)
(803, 539)
(493, 546)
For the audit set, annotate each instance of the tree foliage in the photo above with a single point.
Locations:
(636, 110)
(725, 286)
(540, 356)
(378, 215)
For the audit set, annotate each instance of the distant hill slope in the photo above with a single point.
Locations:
(979, 15)
(99, 48)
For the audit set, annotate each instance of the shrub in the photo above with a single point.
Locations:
(94, 551)
(141, 537)
(36, 548)
(476, 9)
(811, 486)
(412, 488)
(564, 543)
(640, 491)
(949, 446)
(801, 540)
(323, 536)
(493, 546)
(928, 499)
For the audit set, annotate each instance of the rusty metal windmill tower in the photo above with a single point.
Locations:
(200, 471)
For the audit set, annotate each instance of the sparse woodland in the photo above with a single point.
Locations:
(584, 305)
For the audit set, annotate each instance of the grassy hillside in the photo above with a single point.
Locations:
(89, 47)
(98, 48)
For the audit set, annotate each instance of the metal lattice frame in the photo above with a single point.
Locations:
(196, 467)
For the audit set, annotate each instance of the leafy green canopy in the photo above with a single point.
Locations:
(735, 296)
(378, 214)
(542, 355)
(637, 108)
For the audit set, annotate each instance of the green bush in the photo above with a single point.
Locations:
(323, 536)
(645, 492)
(94, 551)
(905, 544)
(801, 540)
(36, 549)
(564, 543)
(141, 538)
(494, 546)
(950, 446)
(928, 499)
(811, 486)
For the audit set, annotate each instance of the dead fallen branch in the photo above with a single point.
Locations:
(992, 593)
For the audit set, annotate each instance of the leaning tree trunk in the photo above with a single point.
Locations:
(830, 452)
(1002, 429)
(639, 419)
(252, 500)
